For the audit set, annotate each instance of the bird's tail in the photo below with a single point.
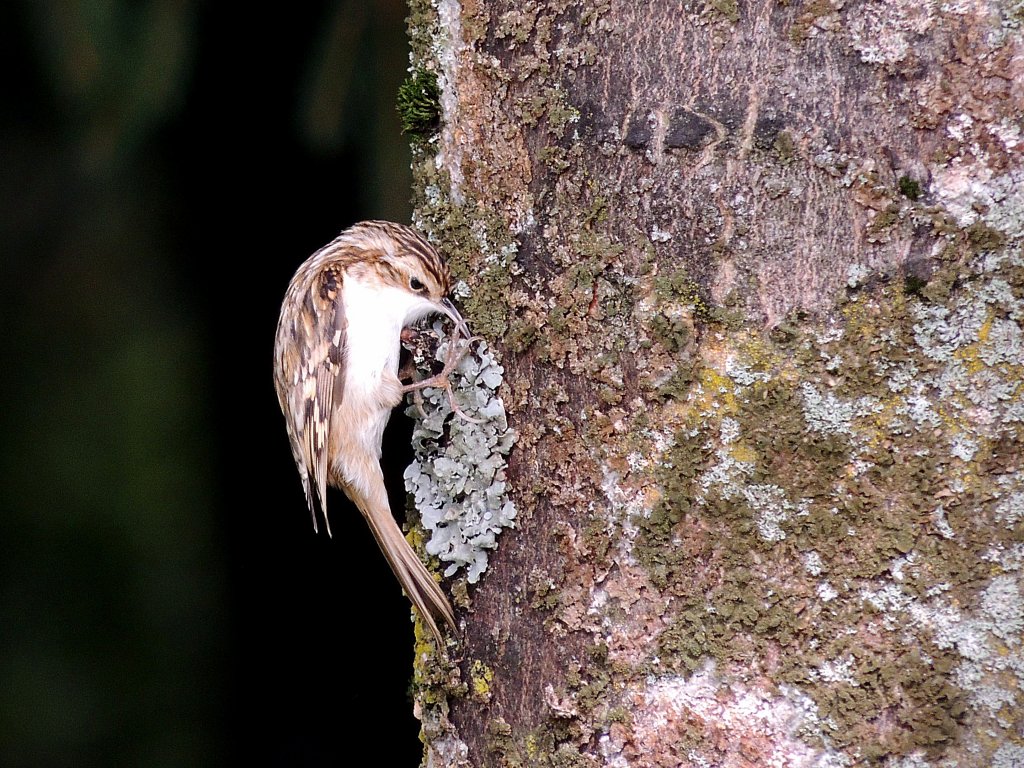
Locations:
(416, 580)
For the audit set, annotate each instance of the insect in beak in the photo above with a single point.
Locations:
(449, 309)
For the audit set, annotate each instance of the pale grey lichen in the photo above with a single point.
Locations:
(963, 448)
(1003, 609)
(730, 430)
(457, 479)
(900, 374)
(1008, 756)
(826, 592)
(836, 671)
(828, 414)
(1010, 511)
(728, 472)
(812, 563)
(987, 640)
(783, 721)
(915, 760)
(971, 192)
(738, 371)
(857, 275)
(987, 388)
(771, 508)
(940, 332)
(1005, 558)
(1005, 344)
(882, 33)
(918, 406)
(941, 523)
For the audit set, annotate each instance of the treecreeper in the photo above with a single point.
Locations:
(336, 372)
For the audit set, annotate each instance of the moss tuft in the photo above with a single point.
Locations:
(909, 188)
(982, 237)
(728, 8)
(419, 103)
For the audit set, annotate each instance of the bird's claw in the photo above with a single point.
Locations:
(454, 356)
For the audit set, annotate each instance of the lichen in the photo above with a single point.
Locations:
(457, 480)
(889, 439)
(826, 498)
(481, 677)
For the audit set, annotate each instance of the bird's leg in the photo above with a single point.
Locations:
(417, 401)
(451, 360)
(456, 352)
(412, 346)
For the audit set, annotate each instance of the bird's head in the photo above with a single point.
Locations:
(406, 262)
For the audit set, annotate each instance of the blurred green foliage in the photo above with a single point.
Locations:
(113, 626)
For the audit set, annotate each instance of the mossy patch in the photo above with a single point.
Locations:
(910, 187)
(850, 438)
(730, 9)
(419, 103)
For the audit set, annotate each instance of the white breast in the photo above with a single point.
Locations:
(375, 317)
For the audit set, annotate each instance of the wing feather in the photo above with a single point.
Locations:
(311, 361)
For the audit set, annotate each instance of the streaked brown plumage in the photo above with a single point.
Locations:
(336, 375)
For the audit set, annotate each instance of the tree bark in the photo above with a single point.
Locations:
(754, 272)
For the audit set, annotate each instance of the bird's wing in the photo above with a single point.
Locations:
(311, 356)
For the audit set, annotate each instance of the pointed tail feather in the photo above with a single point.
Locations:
(416, 580)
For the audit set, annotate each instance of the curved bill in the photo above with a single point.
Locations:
(449, 309)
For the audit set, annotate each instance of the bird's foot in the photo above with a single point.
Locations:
(454, 356)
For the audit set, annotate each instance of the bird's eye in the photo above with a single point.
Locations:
(416, 285)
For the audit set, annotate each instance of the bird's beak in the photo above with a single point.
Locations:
(449, 309)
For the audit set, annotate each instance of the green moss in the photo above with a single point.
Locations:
(905, 690)
(555, 158)
(674, 333)
(982, 237)
(597, 247)
(865, 492)
(559, 112)
(557, 320)
(543, 594)
(913, 285)
(653, 548)
(884, 219)
(487, 306)
(419, 103)
(592, 693)
(785, 147)
(812, 11)
(680, 304)
(530, 109)
(569, 756)
(939, 288)
(516, 26)
(521, 335)
(728, 8)
(910, 188)
(678, 385)
(862, 494)
(500, 744)
(420, 26)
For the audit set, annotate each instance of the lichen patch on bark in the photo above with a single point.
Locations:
(754, 271)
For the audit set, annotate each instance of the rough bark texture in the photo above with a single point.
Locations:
(754, 271)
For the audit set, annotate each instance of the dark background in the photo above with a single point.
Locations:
(165, 166)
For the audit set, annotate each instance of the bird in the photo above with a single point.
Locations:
(336, 358)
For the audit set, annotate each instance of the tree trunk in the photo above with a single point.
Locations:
(754, 272)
